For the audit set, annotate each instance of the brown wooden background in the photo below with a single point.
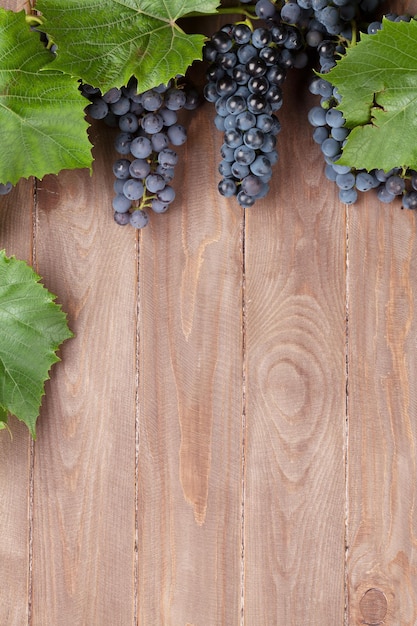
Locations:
(230, 438)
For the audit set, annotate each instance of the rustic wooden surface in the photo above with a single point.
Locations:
(230, 437)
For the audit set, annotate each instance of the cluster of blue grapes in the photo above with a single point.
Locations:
(148, 129)
(244, 82)
(330, 133)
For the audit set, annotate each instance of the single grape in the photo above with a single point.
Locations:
(246, 120)
(233, 138)
(334, 118)
(167, 173)
(175, 99)
(121, 204)
(169, 117)
(365, 181)
(317, 116)
(167, 158)
(340, 133)
(121, 168)
(258, 104)
(158, 206)
(244, 154)
(244, 200)
(346, 181)
(159, 141)
(265, 9)
(227, 187)
(139, 168)
(291, 13)
(253, 138)
(225, 168)
(258, 84)
(330, 147)
(166, 195)
(151, 100)
(133, 189)
(384, 195)
(348, 196)
(177, 134)
(256, 66)
(261, 37)
(123, 142)
(235, 104)
(112, 95)
(269, 143)
(261, 166)
(141, 147)
(246, 52)
(252, 185)
(128, 123)
(226, 60)
(122, 219)
(320, 133)
(98, 109)
(409, 200)
(139, 218)
(154, 183)
(152, 123)
(330, 172)
(229, 122)
(241, 33)
(121, 106)
(395, 185)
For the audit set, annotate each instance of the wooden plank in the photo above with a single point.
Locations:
(191, 398)
(84, 505)
(295, 401)
(16, 216)
(382, 526)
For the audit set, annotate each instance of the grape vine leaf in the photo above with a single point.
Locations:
(42, 120)
(107, 42)
(377, 80)
(32, 327)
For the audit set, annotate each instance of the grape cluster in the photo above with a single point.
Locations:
(244, 81)
(148, 130)
(330, 133)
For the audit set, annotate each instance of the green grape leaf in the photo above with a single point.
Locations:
(377, 81)
(42, 120)
(32, 327)
(107, 42)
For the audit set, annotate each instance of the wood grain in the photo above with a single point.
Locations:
(84, 503)
(382, 416)
(295, 376)
(191, 399)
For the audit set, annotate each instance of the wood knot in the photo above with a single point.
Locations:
(373, 606)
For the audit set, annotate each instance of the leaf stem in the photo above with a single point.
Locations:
(236, 10)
